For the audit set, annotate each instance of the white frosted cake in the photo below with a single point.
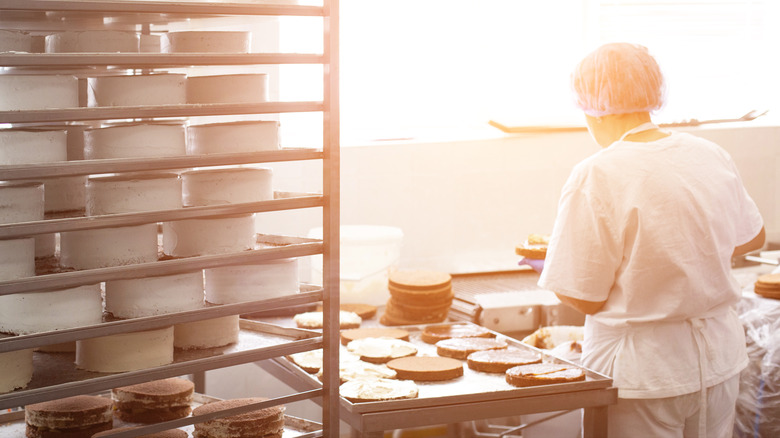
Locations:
(135, 140)
(67, 193)
(35, 92)
(15, 41)
(28, 146)
(226, 186)
(126, 351)
(16, 369)
(17, 258)
(52, 310)
(208, 333)
(236, 284)
(235, 137)
(133, 192)
(102, 247)
(150, 43)
(216, 235)
(237, 88)
(21, 202)
(208, 41)
(139, 297)
(135, 90)
(94, 41)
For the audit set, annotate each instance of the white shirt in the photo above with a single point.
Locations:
(650, 229)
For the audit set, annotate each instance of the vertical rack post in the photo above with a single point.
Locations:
(331, 177)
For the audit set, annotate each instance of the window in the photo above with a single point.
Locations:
(409, 66)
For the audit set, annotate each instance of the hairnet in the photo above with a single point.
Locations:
(618, 78)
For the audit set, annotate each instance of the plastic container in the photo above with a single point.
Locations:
(368, 254)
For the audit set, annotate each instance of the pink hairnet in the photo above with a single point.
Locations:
(618, 78)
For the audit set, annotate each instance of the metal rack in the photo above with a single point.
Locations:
(286, 341)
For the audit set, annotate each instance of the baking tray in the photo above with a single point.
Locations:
(55, 374)
(12, 424)
(473, 386)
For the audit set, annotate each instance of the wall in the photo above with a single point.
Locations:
(463, 205)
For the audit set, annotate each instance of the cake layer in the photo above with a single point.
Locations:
(135, 90)
(15, 41)
(55, 310)
(226, 186)
(68, 413)
(28, 146)
(209, 41)
(254, 424)
(16, 369)
(102, 247)
(235, 284)
(150, 43)
(133, 192)
(21, 202)
(66, 193)
(135, 140)
(235, 137)
(237, 88)
(126, 351)
(45, 245)
(138, 297)
(153, 402)
(216, 235)
(17, 258)
(35, 92)
(207, 333)
(95, 41)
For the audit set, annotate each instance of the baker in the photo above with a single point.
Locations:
(642, 244)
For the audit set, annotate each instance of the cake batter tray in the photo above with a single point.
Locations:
(55, 375)
(12, 424)
(473, 386)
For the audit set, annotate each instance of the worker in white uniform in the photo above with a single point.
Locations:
(642, 244)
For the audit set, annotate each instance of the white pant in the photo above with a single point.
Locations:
(676, 416)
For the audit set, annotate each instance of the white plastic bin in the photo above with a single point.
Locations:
(368, 254)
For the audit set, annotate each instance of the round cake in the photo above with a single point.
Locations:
(153, 402)
(543, 374)
(314, 320)
(29, 146)
(309, 361)
(435, 333)
(226, 186)
(461, 348)
(37, 92)
(234, 137)
(16, 369)
(172, 433)
(235, 88)
(426, 368)
(126, 351)
(254, 424)
(209, 41)
(135, 140)
(65, 194)
(137, 90)
(358, 390)
(55, 310)
(21, 202)
(149, 296)
(150, 43)
(102, 247)
(96, 41)
(417, 297)
(12, 40)
(373, 332)
(768, 286)
(214, 235)
(79, 416)
(17, 259)
(236, 284)
(133, 192)
(381, 350)
(207, 333)
(498, 361)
